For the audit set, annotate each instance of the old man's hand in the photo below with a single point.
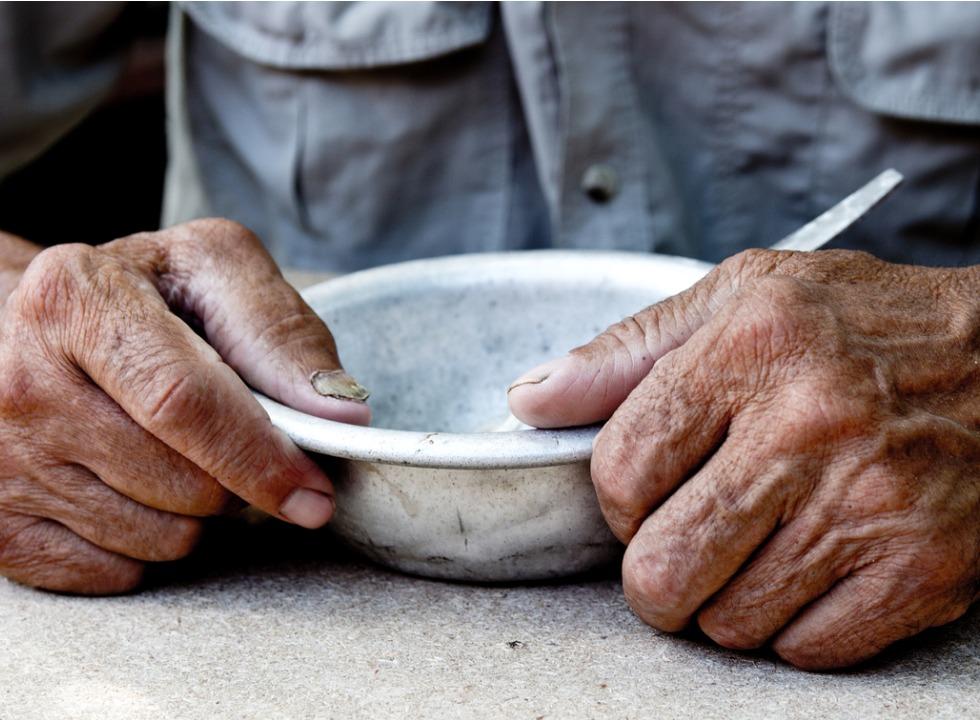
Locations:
(792, 453)
(120, 427)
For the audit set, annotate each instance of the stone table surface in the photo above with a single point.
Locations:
(269, 621)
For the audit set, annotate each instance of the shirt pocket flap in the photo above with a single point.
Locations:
(342, 35)
(909, 60)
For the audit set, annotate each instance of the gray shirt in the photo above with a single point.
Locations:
(353, 134)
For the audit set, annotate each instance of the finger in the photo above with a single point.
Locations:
(133, 462)
(674, 419)
(797, 565)
(79, 500)
(219, 273)
(588, 384)
(43, 554)
(699, 538)
(171, 382)
(861, 616)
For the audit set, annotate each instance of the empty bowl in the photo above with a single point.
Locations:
(430, 488)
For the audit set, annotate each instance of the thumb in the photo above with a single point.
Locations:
(217, 273)
(588, 384)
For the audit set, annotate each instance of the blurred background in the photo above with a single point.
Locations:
(106, 175)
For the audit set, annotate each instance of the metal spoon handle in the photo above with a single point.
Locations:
(821, 230)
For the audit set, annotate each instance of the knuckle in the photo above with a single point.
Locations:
(606, 465)
(815, 412)
(753, 262)
(830, 266)
(178, 539)
(953, 610)
(123, 577)
(779, 287)
(257, 469)
(298, 329)
(612, 476)
(778, 293)
(110, 576)
(120, 575)
(21, 494)
(209, 499)
(807, 654)
(884, 493)
(939, 571)
(769, 318)
(34, 554)
(739, 503)
(626, 338)
(219, 236)
(720, 625)
(21, 393)
(652, 590)
(187, 408)
(182, 400)
(53, 282)
(255, 464)
(15, 550)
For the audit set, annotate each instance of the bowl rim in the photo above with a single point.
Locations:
(512, 449)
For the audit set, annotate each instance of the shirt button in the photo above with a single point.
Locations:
(600, 183)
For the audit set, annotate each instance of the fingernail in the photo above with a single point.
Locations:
(538, 375)
(338, 384)
(307, 508)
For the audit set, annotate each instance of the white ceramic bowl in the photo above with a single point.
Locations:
(428, 489)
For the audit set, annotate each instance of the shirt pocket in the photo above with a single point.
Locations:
(354, 134)
(342, 35)
(918, 61)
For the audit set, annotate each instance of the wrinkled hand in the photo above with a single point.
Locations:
(120, 427)
(792, 451)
